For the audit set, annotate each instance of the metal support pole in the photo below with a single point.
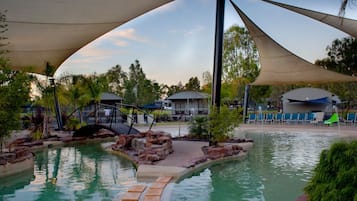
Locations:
(245, 103)
(218, 50)
(217, 65)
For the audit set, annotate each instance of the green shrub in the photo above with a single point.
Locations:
(74, 124)
(199, 127)
(335, 176)
(37, 135)
(222, 122)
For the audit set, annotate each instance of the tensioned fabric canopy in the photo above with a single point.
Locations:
(48, 31)
(346, 25)
(280, 66)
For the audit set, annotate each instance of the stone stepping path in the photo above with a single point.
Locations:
(153, 193)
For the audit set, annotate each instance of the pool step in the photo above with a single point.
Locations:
(155, 190)
(153, 193)
(133, 193)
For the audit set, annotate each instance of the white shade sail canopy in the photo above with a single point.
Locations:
(280, 66)
(48, 31)
(346, 25)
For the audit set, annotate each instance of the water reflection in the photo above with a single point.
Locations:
(83, 172)
(277, 168)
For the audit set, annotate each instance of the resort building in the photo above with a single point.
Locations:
(189, 103)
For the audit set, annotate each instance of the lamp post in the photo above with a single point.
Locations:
(57, 107)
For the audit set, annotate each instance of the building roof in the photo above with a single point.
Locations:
(45, 31)
(309, 94)
(110, 96)
(184, 95)
(280, 66)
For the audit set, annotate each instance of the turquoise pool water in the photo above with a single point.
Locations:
(277, 169)
(83, 172)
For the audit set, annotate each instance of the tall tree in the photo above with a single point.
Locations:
(343, 6)
(3, 29)
(193, 84)
(116, 78)
(14, 90)
(207, 82)
(138, 89)
(95, 88)
(75, 94)
(240, 56)
(240, 66)
(175, 89)
(342, 58)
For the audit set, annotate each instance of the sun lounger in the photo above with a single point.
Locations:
(351, 118)
(309, 117)
(251, 118)
(278, 118)
(318, 118)
(269, 118)
(261, 117)
(287, 117)
(301, 118)
(294, 118)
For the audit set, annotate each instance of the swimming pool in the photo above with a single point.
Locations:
(277, 168)
(82, 172)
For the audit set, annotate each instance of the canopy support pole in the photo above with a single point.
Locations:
(217, 65)
(245, 103)
(218, 49)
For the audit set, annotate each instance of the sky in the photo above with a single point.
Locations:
(175, 42)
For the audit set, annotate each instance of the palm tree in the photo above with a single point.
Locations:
(95, 89)
(75, 93)
(343, 6)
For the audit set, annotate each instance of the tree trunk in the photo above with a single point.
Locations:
(96, 113)
(45, 124)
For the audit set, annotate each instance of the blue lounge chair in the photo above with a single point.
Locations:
(278, 118)
(251, 118)
(269, 117)
(294, 117)
(261, 117)
(309, 117)
(351, 118)
(287, 117)
(302, 118)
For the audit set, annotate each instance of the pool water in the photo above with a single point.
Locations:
(277, 169)
(83, 172)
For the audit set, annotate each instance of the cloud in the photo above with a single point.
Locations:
(195, 30)
(92, 50)
(189, 32)
(120, 37)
